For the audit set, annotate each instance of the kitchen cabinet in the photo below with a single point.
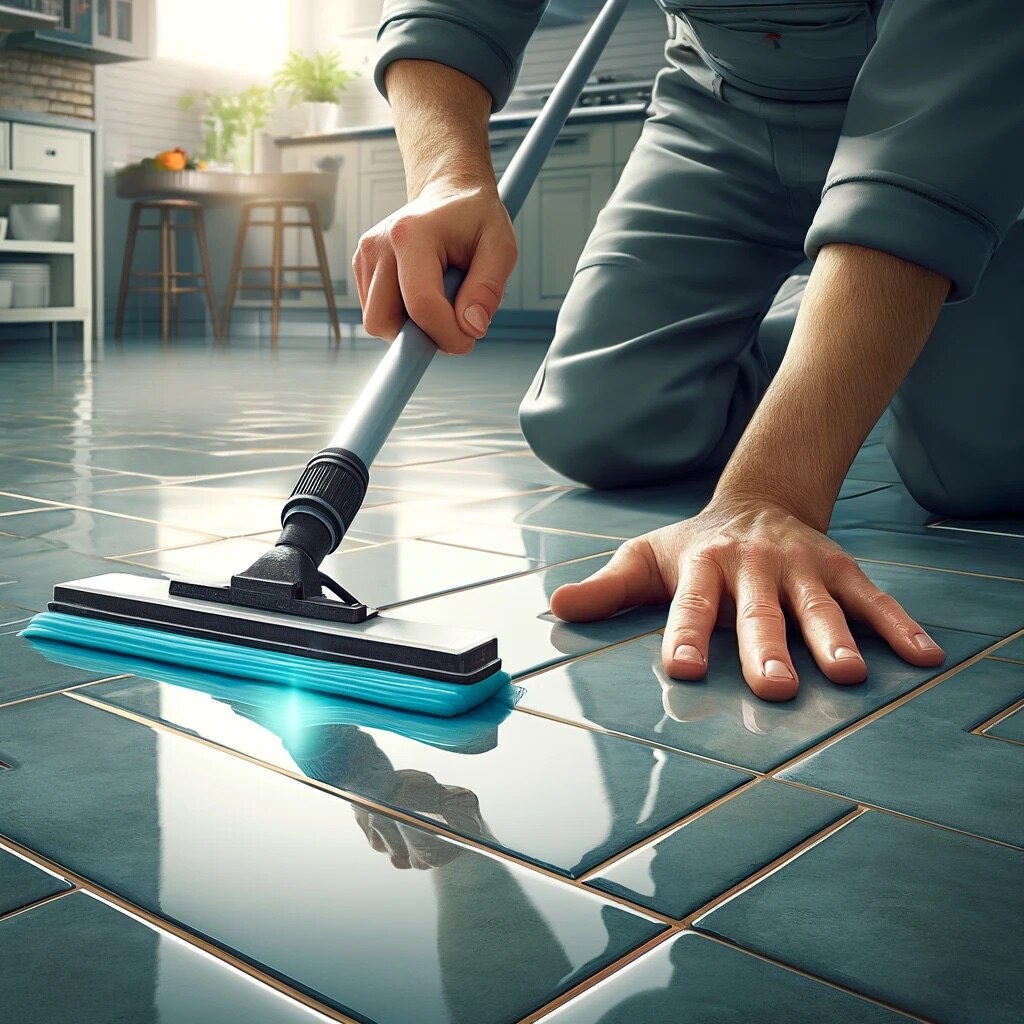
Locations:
(101, 31)
(556, 223)
(45, 164)
(577, 180)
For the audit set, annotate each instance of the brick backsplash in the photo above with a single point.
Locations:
(46, 84)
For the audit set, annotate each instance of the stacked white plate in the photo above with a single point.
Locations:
(31, 282)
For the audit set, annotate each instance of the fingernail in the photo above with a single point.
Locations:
(925, 643)
(777, 670)
(844, 652)
(687, 652)
(476, 317)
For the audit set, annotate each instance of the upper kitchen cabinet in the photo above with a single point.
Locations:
(101, 31)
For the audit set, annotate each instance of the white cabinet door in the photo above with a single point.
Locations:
(556, 222)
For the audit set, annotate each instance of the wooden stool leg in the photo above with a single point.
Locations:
(275, 274)
(325, 273)
(165, 257)
(236, 262)
(126, 270)
(204, 260)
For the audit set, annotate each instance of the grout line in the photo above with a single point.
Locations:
(935, 568)
(674, 826)
(1007, 661)
(815, 977)
(426, 824)
(37, 903)
(66, 689)
(594, 979)
(161, 924)
(588, 654)
(999, 716)
(884, 710)
(902, 815)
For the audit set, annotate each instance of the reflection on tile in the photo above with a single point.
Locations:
(19, 475)
(92, 533)
(563, 797)
(25, 673)
(694, 980)
(84, 487)
(182, 463)
(511, 466)
(11, 617)
(22, 883)
(1010, 728)
(873, 462)
(410, 569)
(211, 510)
(218, 560)
(297, 880)
(408, 453)
(921, 759)
(625, 690)
(925, 919)
(688, 868)
(516, 610)
(544, 547)
(446, 480)
(976, 604)
(80, 961)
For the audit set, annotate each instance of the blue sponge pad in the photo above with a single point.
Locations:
(392, 689)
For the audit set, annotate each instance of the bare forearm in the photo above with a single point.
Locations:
(864, 320)
(441, 120)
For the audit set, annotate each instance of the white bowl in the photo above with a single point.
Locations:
(6, 294)
(35, 222)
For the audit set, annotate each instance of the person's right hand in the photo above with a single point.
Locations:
(400, 263)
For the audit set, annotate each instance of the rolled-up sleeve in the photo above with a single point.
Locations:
(484, 39)
(930, 163)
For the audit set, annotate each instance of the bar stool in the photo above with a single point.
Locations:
(169, 275)
(277, 268)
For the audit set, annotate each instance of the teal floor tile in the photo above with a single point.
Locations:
(80, 961)
(26, 673)
(922, 918)
(921, 759)
(1013, 651)
(22, 883)
(565, 798)
(1010, 728)
(626, 690)
(543, 546)
(373, 916)
(694, 980)
(686, 869)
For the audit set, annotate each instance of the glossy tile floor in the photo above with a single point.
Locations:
(598, 845)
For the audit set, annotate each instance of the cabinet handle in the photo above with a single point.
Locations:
(564, 141)
(51, 152)
(497, 144)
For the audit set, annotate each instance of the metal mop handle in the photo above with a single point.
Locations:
(332, 487)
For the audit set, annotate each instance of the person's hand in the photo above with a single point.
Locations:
(400, 263)
(753, 560)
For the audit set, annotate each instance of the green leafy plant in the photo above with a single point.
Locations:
(229, 117)
(313, 78)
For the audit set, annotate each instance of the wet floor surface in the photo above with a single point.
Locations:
(599, 844)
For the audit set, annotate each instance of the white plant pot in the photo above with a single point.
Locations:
(323, 117)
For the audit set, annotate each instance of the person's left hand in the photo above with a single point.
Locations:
(752, 560)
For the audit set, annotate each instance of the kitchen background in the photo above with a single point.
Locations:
(115, 72)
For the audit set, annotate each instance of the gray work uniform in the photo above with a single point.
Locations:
(776, 129)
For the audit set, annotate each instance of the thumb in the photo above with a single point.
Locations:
(480, 294)
(631, 577)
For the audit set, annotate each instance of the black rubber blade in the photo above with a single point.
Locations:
(449, 654)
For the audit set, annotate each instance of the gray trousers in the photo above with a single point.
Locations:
(685, 296)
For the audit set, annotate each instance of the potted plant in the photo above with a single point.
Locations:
(231, 121)
(318, 80)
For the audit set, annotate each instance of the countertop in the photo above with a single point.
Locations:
(51, 120)
(506, 119)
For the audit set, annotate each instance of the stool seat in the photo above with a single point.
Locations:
(271, 213)
(169, 289)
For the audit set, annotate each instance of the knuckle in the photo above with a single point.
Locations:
(815, 602)
(400, 228)
(693, 603)
(762, 611)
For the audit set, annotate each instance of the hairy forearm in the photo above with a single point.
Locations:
(441, 118)
(864, 319)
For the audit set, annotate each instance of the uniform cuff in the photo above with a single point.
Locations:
(900, 218)
(446, 41)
